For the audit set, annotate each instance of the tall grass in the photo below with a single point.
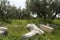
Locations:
(18, 27)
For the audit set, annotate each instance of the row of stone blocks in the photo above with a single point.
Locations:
(36, 30)
(33, 30)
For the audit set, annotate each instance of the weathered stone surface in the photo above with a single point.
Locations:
(29, 35)
(52, 25)
(3, 30)
(33, 31)
(30, 27)
(34, 27)
(46, 28)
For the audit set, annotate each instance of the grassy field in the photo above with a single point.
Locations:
(18, 27)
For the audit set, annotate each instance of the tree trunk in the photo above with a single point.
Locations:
(54, 16)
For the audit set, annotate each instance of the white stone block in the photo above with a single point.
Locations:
(30, 34)
(46, 28)
(3, 30)
(34, 27)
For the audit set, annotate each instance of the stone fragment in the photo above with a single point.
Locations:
(46, 28)
(3, 30)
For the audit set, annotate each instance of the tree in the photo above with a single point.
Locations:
(3, 10)
(44, 8)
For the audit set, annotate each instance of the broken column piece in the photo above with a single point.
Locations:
(46, 28)
(29, 35)
(34, 27)
(33, 31)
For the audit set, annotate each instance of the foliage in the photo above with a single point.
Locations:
(44, 8)
(3, 10)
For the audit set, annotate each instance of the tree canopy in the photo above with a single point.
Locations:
(44, 8)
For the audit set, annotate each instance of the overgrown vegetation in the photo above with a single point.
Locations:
(18, 27)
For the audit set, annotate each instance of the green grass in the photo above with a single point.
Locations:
(56, 22)
(18, 27)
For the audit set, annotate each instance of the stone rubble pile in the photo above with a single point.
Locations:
(36, 30)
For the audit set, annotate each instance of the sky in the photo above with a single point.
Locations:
(18, 3)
